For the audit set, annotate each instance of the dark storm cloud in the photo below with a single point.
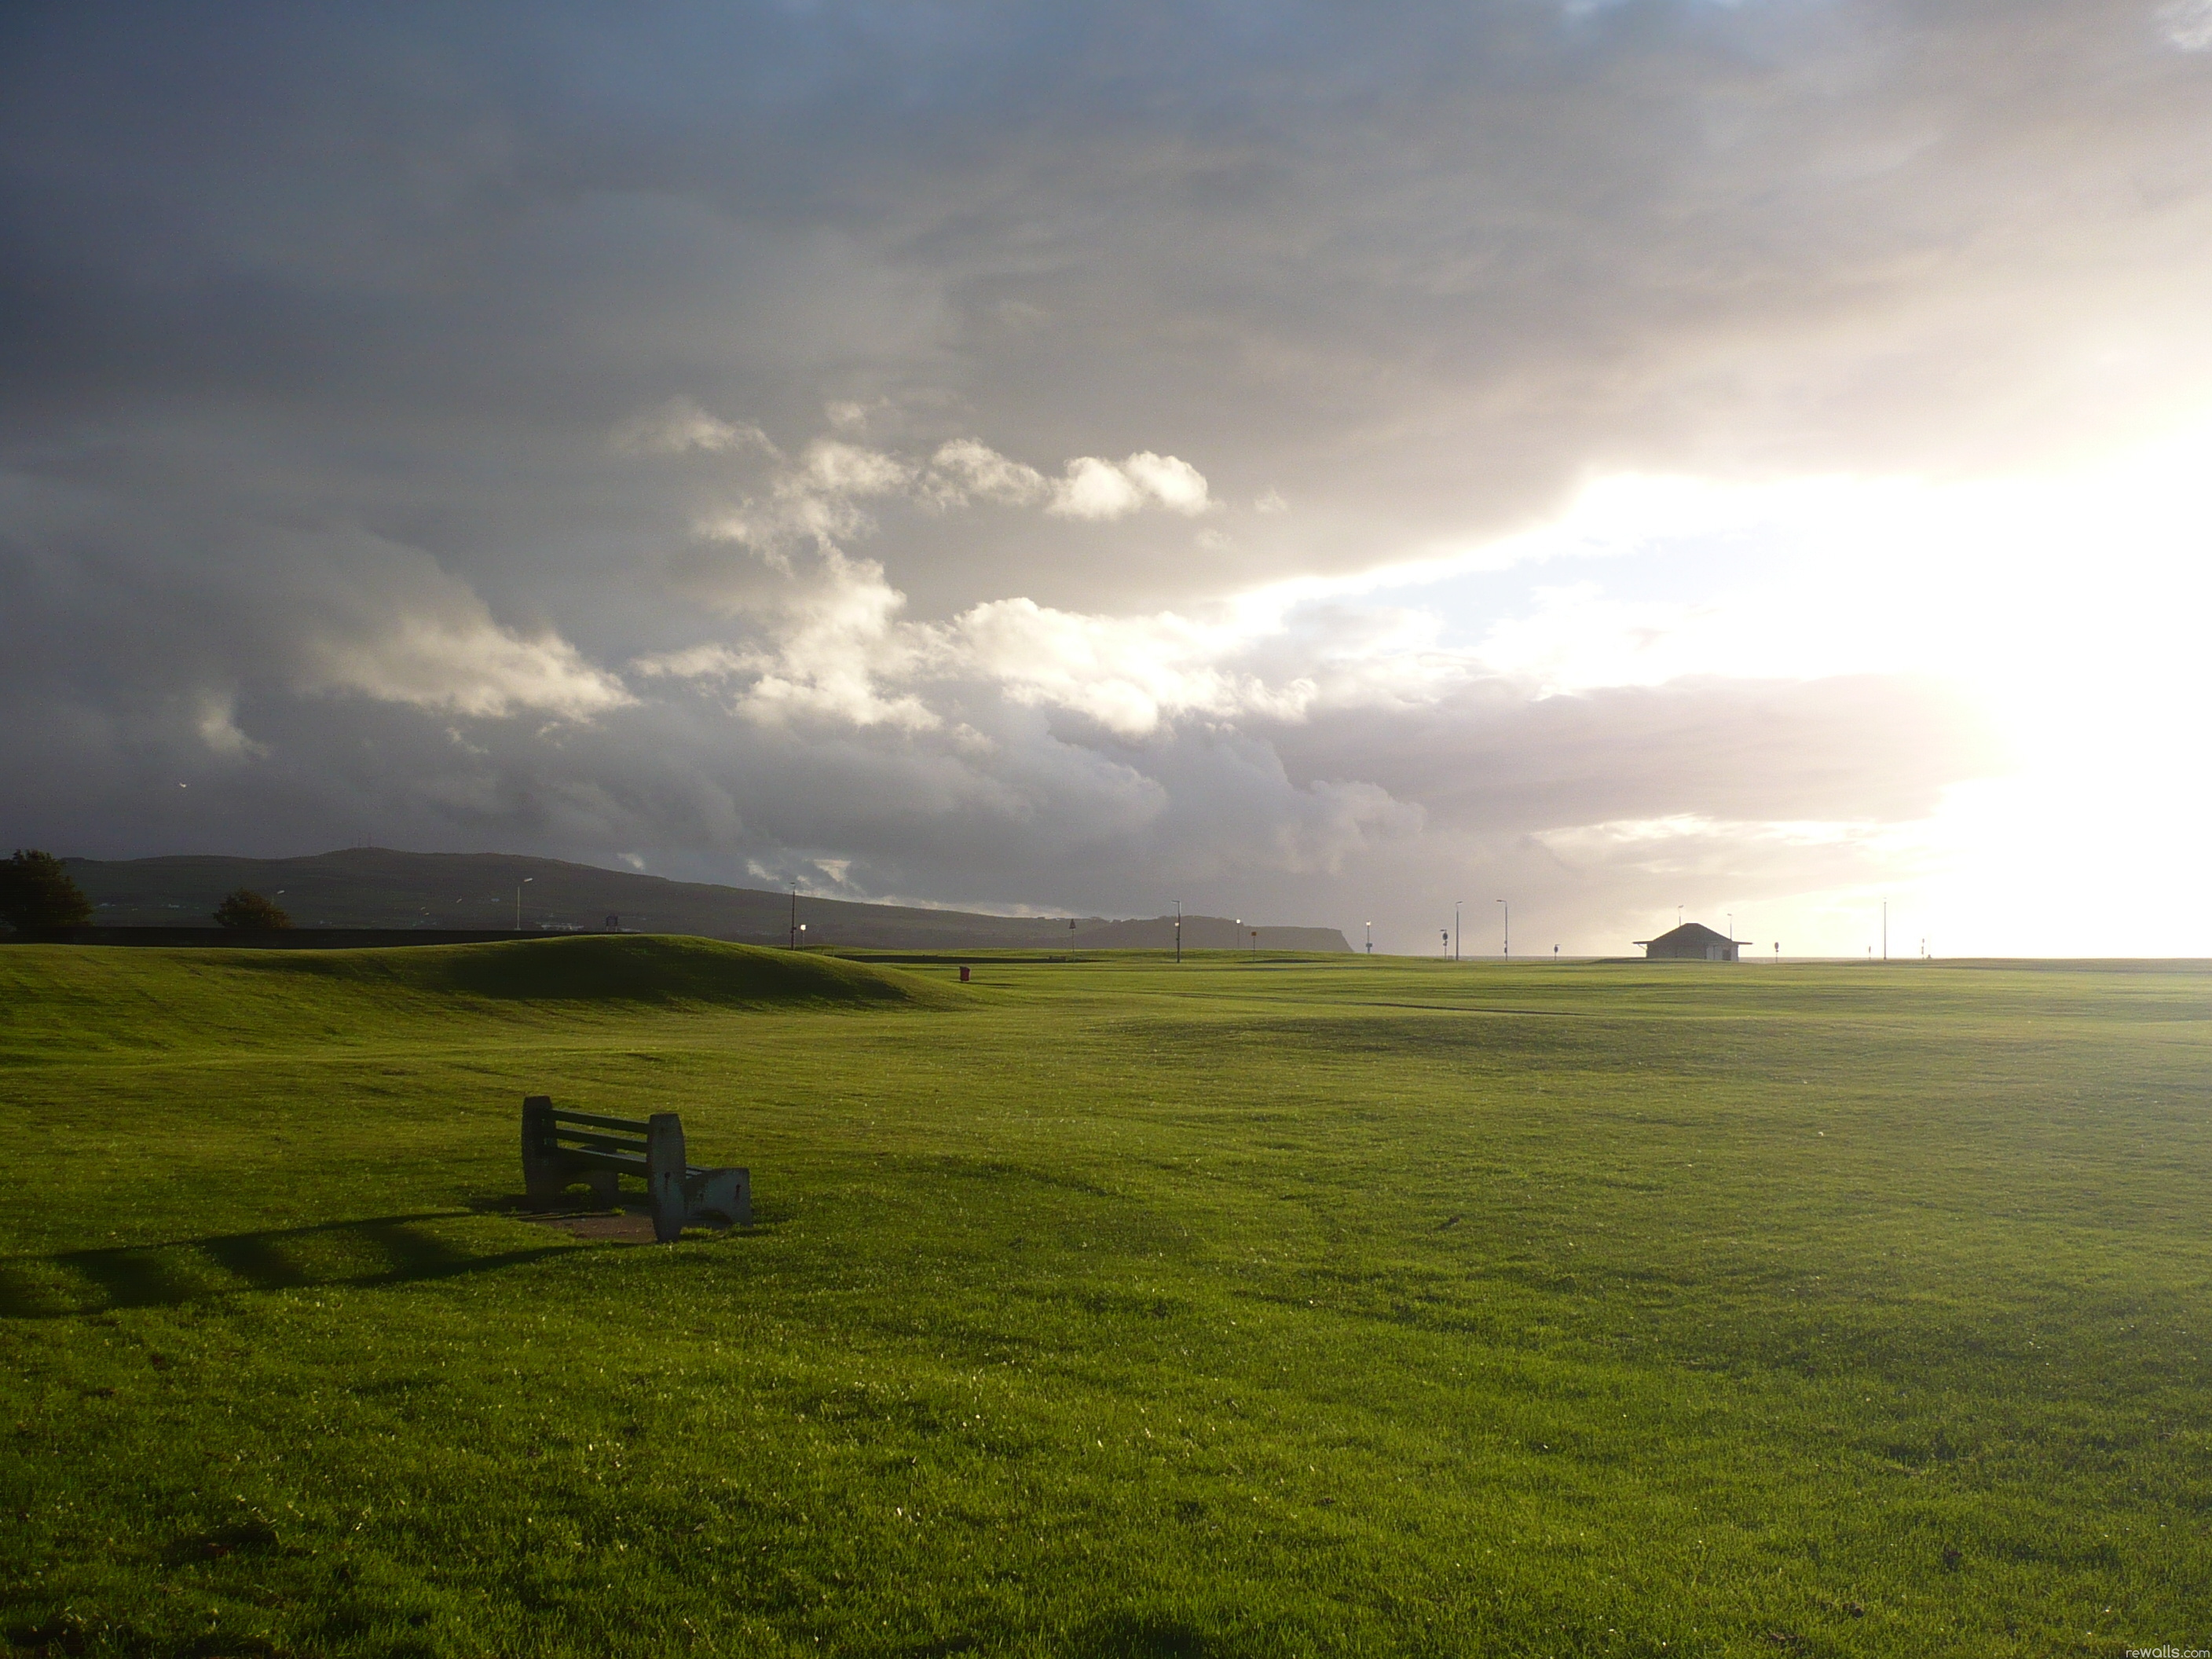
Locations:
(316, 325)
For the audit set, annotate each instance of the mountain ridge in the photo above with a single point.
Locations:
(386, 887)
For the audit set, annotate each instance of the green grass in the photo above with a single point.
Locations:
(1108, 1307)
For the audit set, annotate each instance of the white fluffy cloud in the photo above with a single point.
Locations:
(1101, 491)
(965, 467)
(461, 666)
(813, 495)
(832, 645)
(829, 642)
(383, 621)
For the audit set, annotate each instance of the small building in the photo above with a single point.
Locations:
(1691, 942)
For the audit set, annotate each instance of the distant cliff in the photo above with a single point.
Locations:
(365, 887)
(1201, 933)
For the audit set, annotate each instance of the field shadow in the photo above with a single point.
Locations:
(628, 1219)
(377, 1250)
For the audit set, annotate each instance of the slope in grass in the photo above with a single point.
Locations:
(57, 1000)
(628, 968)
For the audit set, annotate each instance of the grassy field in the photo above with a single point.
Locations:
(1108, 1307)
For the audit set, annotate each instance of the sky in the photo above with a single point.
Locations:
(1579, 462)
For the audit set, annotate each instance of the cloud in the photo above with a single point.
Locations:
(832, 640)
(1101, 491)
(828, 467)
(678, 425)
(814, 499)
(1130, 674)
(219, 730)
(2187, 24)
(463, 666)
(832, 645)
(968, 468)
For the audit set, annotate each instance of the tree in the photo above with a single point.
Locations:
(248, 908)
(36, 891)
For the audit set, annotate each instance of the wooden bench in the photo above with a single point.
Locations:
(560, 1147)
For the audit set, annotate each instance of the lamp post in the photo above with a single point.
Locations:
(1371, 938)
(1509, 930)
(1178, 905)
(794, 915)
(519, 886)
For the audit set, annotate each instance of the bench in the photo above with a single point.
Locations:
(559, 1147)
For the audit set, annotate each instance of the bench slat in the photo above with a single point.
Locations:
(604, 1143)
(634, 1126)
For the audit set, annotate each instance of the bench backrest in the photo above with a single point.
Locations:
(552, 1130)
(557, 1146)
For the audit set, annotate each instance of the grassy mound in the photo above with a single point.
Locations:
(647, 969)
(58, 1000)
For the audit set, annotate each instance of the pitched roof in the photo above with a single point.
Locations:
(1690, 933)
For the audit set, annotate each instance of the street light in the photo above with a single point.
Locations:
(1178, 905)
(1371, 938)
(519, 886)
(1509, 930)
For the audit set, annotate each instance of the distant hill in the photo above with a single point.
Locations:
(1200, 933)
(379, 887)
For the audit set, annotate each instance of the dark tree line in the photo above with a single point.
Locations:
(36, 892)
(248, 908)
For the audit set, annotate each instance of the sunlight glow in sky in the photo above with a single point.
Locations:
(2072, 607)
